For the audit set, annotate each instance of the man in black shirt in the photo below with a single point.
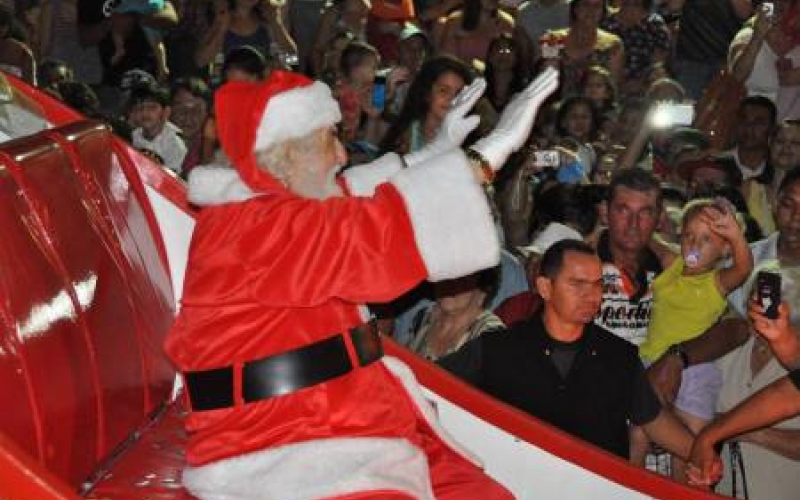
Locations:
(560, 367)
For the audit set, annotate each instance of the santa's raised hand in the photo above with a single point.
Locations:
(517, 120)
(456, 126)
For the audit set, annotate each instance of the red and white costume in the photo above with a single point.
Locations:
(270, 271)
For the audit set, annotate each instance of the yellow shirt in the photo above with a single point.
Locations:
(684, 307)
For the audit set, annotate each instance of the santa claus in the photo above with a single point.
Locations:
(290, 395)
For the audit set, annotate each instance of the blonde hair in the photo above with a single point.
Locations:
(693, 208)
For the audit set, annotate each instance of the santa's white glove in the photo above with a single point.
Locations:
(516, 122)
(456, 126)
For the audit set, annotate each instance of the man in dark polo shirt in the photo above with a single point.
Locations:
(561, 367)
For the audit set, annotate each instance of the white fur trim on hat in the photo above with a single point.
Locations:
(321, 468)
(363, 179)
(450, 216)
(215, 185)
(296, 113)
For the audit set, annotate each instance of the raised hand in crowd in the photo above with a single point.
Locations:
(781, 334)
(516, 120)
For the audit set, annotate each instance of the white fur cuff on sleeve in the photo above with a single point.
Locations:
(216, 184)
(450, 214)
(363, 179)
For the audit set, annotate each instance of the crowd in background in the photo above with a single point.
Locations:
(700, 98)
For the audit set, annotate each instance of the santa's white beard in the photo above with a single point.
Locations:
(316, 186)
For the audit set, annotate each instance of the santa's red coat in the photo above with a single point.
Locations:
(271, 273)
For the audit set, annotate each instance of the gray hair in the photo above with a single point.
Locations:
(275, 157)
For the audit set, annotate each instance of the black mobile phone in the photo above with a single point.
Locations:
(768, 292)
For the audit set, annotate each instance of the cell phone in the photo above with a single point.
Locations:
(548, 158)
(768, 292)
(379, 92)
(671, 114)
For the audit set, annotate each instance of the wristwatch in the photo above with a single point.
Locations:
(677, 350)
(480, 164)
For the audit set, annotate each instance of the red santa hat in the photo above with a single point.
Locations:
(250, 116)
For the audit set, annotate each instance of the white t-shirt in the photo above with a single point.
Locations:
(763, 80)
(167, 144)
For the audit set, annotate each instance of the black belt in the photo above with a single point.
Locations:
(284, 373)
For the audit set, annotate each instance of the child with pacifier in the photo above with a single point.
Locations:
(690, 296)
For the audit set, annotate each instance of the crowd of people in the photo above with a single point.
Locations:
(657, 181)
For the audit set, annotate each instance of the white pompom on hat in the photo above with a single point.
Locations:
(251, 116)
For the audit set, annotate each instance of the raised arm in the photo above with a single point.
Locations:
(746, 46)
(213, 40)
(781, 334)
(725, 225)
(276, 28)
(324, 34)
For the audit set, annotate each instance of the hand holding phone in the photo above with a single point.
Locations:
(379, 93)
(768, 293)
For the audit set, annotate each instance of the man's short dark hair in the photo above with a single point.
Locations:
(636, 179)
(193, 85)
(248, 59)
(792, 177)
(149, 92)
(760, 101)
(553, 259)
(570, 204)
